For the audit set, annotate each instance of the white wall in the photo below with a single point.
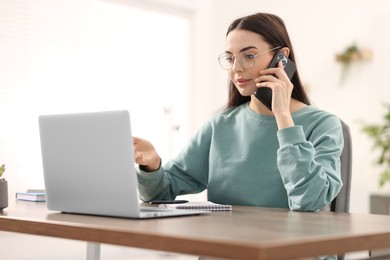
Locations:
(319, 30)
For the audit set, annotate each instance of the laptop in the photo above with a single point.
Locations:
(88, 166)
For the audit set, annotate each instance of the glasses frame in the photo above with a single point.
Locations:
(240, 61)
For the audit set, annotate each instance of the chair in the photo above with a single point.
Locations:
(341, 202)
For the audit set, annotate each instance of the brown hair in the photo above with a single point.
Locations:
(273, 30)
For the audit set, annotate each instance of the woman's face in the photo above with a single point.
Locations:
(242, 43)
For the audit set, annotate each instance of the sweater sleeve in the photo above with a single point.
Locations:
(185, 174)
(310, 165)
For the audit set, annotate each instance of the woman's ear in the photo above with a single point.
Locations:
(285, 51)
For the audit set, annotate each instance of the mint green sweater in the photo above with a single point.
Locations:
(241, 158)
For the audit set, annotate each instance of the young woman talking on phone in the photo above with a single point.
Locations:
(286, 157)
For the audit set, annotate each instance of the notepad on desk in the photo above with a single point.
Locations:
(205, 205)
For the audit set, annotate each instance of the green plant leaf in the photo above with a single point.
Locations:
(2, 169)
(385, 177)
(380, 135)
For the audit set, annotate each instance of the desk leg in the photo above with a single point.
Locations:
(93, 251)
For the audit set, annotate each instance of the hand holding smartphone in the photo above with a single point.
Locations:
(265, 94)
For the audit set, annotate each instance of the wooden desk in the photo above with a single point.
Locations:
(244, 233)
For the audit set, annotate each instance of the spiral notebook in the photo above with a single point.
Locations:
(205, 205)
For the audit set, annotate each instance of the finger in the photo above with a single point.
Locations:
(266, 84)
(266, 81)
(266, 78)
(139, 158)
(278, 72)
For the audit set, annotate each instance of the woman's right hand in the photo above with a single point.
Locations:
(146, 155)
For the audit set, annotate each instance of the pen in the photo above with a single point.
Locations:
(167, 201)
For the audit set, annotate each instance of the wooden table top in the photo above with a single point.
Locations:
(244, 233)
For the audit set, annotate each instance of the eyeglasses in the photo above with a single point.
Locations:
(246, 59)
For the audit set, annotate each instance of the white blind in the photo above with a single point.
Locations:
(87, 55)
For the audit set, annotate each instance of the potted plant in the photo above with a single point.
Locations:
(380, 135)
(351, 54)
(3, 189)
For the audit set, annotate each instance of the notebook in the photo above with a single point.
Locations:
(199, 205)
(88, 166)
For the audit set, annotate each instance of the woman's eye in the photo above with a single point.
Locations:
(229, 59)
(249, 56)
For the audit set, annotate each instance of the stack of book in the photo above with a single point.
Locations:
(36, 195)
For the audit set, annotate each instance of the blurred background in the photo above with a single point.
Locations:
(158, 59)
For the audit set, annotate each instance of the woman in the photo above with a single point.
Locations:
(247, 154)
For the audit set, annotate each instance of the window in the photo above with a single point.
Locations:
(83, 55)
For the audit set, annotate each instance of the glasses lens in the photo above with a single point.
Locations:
(226, 61)
(247, 59)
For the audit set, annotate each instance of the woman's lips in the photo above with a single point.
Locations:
(242, 82)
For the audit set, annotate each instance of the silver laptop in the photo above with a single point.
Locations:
(88, 166)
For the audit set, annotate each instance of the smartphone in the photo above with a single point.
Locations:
(265, 94)
(167, 201)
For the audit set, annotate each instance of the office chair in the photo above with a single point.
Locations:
(341, 202)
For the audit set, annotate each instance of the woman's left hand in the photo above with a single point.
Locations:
(277, 80)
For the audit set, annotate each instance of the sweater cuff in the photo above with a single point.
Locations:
(144, 175)
(291, 136)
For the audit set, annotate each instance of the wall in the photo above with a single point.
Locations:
(319, 30)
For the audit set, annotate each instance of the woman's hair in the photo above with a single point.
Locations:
(272, 30)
